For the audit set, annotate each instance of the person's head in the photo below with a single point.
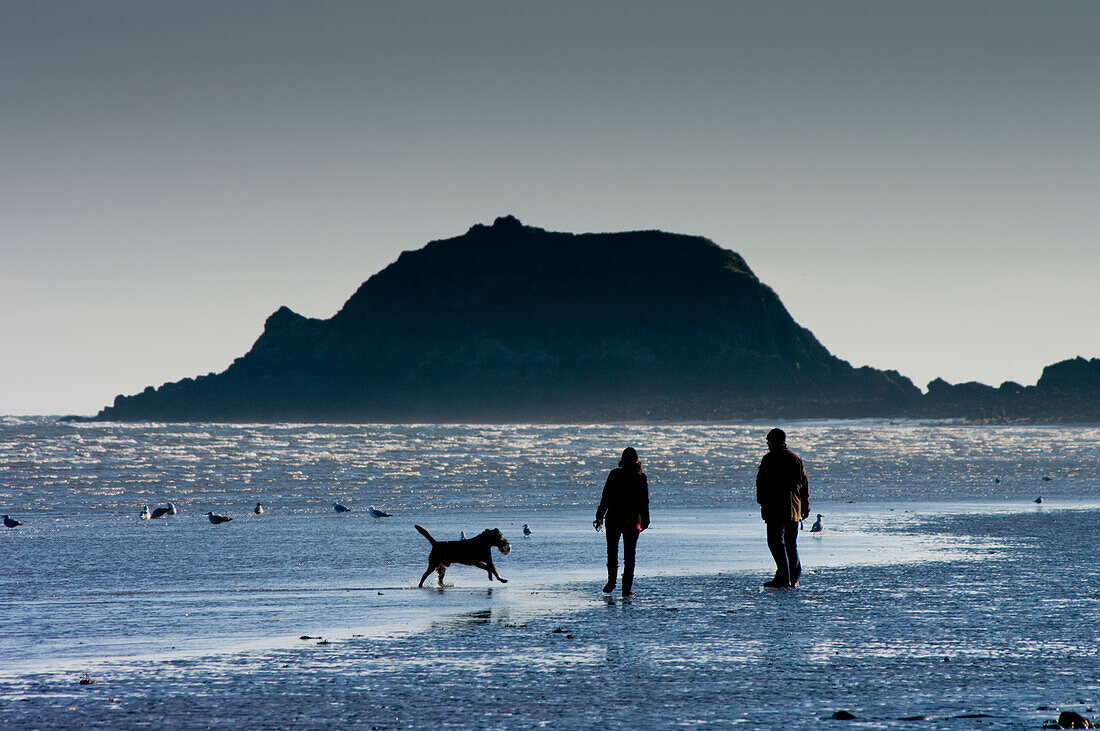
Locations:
(777, 438)
(629, 460)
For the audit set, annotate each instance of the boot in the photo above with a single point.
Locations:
(778, 582)
(609, 587)
(628, 582)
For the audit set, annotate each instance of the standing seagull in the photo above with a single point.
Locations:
(171, 509)
(215, 519)
(340, 508)
(145, 513)
(11, 522)
(1038, 500)
(816, 527)
(376, 513)
(259, 509)
(526, 530)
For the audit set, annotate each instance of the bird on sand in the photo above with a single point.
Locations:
(160, 512)
(816, 527)
(145, 513)
(11, 522)
(171, 509)
(259, 509)
(340, 508)
(461, 535)
(526, 530)
(215, 519)
(376, 513)
(1038, 500)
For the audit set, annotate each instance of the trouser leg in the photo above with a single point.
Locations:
(778, 550)
(612, 547)
(612, 557)
(630, 544)
(790, 545)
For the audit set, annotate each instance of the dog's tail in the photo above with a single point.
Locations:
(426, 534)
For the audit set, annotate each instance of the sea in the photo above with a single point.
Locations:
(940, 593)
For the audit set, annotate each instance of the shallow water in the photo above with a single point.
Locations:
(934, 590)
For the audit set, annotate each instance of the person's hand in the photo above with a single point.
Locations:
(597, 524)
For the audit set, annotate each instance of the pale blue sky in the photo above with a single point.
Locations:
(918, 181)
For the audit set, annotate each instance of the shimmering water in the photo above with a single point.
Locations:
(933, 549)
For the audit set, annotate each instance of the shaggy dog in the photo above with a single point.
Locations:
(472, 552)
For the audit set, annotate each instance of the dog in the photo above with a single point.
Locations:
(471, 552)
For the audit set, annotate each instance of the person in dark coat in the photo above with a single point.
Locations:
(784, 496)
(625, 506)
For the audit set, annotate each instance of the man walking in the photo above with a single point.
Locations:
(784, 496)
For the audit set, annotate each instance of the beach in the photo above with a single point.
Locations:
(933, 592)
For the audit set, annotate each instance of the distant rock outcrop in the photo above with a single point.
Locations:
(1068, 391)
(514, 323)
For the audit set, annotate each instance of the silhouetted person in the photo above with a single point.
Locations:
(625, 504)
(784, 496)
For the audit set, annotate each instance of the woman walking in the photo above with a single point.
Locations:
(625, 505)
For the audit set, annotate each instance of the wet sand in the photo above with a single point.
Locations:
(974, 618)
(938, 588)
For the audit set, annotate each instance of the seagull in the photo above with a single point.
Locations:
(145, 513)
(526, 530)
(11, 522)
(161, 512)
(340, 508)
(1038, 500)
(259, 509)
(376, 513)
(171, 509)
(816, 527)
(996, 480)
(215, 519)
(461, 533)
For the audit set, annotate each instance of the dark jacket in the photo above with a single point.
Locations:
(781, 487)
(625, 500)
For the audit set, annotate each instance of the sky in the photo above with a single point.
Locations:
(918, 181)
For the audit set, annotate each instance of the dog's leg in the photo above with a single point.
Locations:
(489, 568)
(431, 568)
(493, 572)
(439, 573)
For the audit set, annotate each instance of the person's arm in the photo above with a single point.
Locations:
(645, 502)
(761, 482)
(604, 499)
(761, 479)
(803, 489)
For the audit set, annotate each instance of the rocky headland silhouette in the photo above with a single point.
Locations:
(1067, 392)
(515, 323)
